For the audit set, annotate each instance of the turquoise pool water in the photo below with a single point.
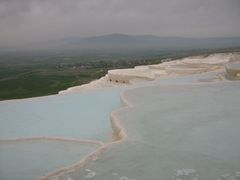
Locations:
(81, 116)
(31, 159)
(176, 132)
(74, 115)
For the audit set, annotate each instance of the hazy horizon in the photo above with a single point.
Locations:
(28, 21)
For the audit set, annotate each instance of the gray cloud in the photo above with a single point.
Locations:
(24, 21)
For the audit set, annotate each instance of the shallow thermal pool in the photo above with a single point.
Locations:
(80, 116)
(175, 132)
(30, 159)
(73, 115)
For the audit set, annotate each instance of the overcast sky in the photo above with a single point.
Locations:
(23, 21)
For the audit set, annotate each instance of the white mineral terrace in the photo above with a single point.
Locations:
(186, 66)
(233, 70)
(193, 65)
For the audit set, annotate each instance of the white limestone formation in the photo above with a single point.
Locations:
(186, 66)
(233, 70)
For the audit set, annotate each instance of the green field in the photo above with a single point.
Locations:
(30, 74)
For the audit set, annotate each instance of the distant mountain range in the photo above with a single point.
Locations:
(123, 41)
